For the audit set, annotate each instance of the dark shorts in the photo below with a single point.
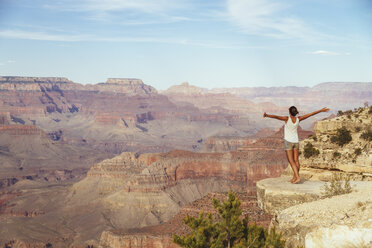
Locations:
(290, 146)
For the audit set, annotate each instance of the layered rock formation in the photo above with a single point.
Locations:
(223, 103)
(116, 116)
(28, 153)
(161, 235)
(264, 140)
(131, 190)
(335, 95)
(223, 144)
(52, 129)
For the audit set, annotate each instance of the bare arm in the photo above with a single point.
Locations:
(281, 118)
(303, 117)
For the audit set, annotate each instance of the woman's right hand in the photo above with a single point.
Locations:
(325, 109)
(264, 115)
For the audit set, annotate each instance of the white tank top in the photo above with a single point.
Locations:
(290, 130)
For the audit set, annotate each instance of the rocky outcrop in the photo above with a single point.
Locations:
(327, 223)
(307, 219)
(353, 158)
(301, 213)
(276, 194)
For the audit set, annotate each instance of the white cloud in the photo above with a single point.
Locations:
(267, 18)
(323, 52)
(26, 35)
(125, 12)
(7, 62)
(101, 6)
(44, 36)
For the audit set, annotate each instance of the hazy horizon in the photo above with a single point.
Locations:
(195, 84)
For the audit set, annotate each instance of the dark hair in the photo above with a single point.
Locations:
(293, 110)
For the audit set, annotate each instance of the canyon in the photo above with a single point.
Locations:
(131, 190)
(121, 163)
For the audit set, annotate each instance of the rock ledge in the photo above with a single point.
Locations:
(306, 219)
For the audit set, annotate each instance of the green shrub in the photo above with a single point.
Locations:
(348, 112)
(313, 137)
(367, 135)
(336, 155)
(357, 129)
(310, 151)
(229, 230)
(342, 137)
(340, 113)
(338, 185)
(358, 151)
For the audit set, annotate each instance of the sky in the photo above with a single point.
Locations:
(208, 43)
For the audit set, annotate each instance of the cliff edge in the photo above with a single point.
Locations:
(342, 146)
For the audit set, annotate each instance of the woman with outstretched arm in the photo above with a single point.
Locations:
(291, 142)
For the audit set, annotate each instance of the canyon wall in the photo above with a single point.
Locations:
(131, 191)
(335, 95)
(116, 116)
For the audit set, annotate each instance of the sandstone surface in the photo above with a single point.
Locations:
(339, 221)
(277, 194)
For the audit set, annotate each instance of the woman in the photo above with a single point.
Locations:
(291, 137)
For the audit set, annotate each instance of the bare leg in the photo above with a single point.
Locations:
(295, 157)
(296, 176)
(288, 153)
